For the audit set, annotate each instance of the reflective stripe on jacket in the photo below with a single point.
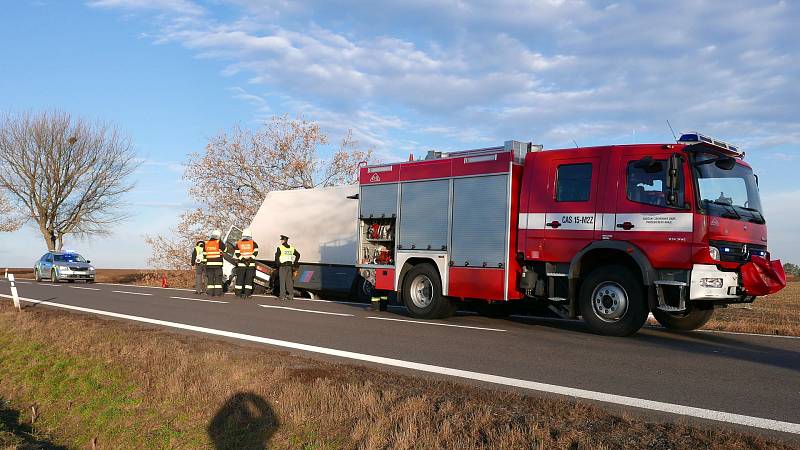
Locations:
(213, 253)
(286, 254)
(199, 257)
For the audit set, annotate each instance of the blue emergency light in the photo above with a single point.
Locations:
(699, 138)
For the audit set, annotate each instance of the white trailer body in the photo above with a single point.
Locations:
(320, 223)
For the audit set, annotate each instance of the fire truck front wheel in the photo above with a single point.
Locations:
(422, 293)
(693, 318)
(612, 301)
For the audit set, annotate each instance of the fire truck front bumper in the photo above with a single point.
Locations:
(707, 282)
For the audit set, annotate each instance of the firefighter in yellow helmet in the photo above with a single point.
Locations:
(286, 258)
(245, 251)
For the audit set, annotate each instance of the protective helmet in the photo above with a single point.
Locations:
(246, 233)
(216, 234)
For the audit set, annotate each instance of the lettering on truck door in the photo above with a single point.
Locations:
(570, 207)
(645, 215)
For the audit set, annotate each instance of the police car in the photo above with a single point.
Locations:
(68, 265)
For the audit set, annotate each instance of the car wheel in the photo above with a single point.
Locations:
(53, 277)
(422, 294)
(612, 301)
(695, 316)
(36, 275)
(363, 290)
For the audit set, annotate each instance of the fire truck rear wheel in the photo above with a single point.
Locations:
(422, 294)
(693, 318)
(612, 301)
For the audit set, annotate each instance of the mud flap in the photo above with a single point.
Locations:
(763, 277)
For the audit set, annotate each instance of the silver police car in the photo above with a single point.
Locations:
(57, 266)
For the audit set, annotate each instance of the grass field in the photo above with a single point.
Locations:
(127, 386)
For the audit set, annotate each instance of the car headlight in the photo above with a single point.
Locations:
(91, 268)
(714, 252)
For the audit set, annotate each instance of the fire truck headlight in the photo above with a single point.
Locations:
(714, 252)
(715, 283)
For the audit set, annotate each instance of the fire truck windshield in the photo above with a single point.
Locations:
(730, 193)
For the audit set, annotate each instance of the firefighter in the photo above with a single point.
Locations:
(199, 264)
(286, 258)
(245, 252)
(212, 251)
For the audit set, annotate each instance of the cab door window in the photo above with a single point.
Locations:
(573, 182)
(648, 184)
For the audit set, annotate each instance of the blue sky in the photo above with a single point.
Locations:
(406, 76)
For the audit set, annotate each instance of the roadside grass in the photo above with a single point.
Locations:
(131, 386)
(777, 314)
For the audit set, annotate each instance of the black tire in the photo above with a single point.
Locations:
(53, 277)
(36, 275)
(612, 301)
(363, 290)
(428, 303)
(693, 318)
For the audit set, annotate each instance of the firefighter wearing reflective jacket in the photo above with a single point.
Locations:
(286, 258)
(246, 251)
(212, 251)
(199, 263)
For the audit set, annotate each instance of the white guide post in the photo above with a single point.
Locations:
(14, 294)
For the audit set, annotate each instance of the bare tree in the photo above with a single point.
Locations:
(10, 220)
(238, 168)
(67, 174)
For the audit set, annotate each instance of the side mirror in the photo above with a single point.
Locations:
(88, 261)
(673, 187)
(725, 163)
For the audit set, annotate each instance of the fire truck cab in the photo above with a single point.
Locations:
(606, 233)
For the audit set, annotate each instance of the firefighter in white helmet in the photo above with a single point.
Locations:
(246, 251)
(212, 251)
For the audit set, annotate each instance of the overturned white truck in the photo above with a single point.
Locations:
(321, 223)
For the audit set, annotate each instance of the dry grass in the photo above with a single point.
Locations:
(140, 277)
(131, 386)
(774, 314)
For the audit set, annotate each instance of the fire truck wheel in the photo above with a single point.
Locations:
(612, 301)
(693, 318)
(422, 294)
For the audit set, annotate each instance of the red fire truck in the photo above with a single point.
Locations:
(607, 233)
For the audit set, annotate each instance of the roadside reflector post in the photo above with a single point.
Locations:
(14, 294)
(6, 274)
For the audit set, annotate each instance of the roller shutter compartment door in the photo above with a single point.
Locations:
(424, 213)
(480, 221)
(378, 201)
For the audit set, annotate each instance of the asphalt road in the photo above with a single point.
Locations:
(750, 376)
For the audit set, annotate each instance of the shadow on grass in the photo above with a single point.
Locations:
(245, 421)
(16, 434)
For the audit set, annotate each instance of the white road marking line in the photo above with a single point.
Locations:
(331, 301)
(691, 411)
(22, 282)
(200, 300)
(87, 288)
(132, 293)
(148, 287)
(48, 284)
(306, 310)
(437, 323)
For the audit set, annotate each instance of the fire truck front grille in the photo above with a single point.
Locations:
(737, 251)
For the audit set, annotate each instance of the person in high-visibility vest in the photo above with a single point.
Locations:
(286, 257)
(212, 251)
(199, 264)
(246, 251)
